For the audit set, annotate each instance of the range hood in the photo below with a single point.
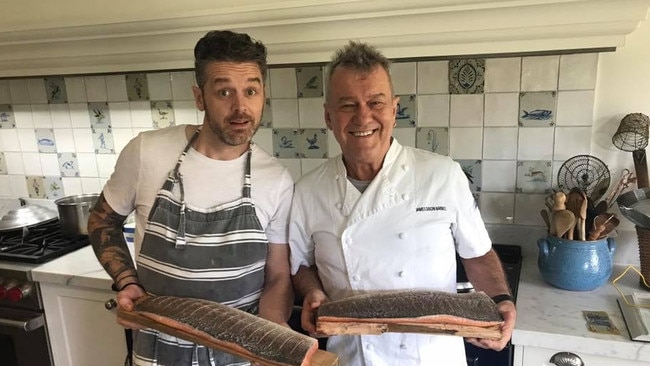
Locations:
(71, 37)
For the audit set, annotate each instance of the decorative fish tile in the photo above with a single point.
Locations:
(310, 81)
(534, 177)
(434, 139)
(407, 111)
(99, 115)
(286, 143)
(45, 140)
(7, 119)
(36, 186)
(267, 115)
(162, 113)
(3, 163)
(137, 87)
(473, 171)
(313, 143)
(467, 76)
(537, 109)
(68, 164)
(103, 141)
(53, 187)
(55, 90)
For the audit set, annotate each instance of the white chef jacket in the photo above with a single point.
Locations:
(401, 233)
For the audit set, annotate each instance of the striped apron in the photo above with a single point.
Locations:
(217, 254)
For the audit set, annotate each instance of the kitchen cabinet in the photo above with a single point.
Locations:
(61, 37)
(82, 331)
(528, 356)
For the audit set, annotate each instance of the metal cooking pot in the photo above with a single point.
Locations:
(74, 212)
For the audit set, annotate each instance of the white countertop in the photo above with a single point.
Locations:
(547, 317)
(550, 317)
(79, 268)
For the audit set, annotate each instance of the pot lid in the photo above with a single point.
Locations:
(25, 216)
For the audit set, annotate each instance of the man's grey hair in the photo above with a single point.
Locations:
(361, 57)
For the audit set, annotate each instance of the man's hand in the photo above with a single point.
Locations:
(310, 304)
(125, 301)
(509, 314)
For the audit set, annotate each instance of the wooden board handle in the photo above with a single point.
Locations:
(375, 328)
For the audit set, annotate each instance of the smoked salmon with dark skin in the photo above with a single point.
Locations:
(419, 311)
(225, 328)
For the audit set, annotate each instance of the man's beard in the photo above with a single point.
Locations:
(233, 137)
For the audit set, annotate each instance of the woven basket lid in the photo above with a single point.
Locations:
(632, 133)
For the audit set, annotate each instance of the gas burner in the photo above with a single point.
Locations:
(38, 244)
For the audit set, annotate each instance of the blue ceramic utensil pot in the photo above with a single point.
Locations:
(575, 265)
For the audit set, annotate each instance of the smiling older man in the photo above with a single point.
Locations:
(382, 216)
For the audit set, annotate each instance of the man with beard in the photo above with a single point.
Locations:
(211, 207)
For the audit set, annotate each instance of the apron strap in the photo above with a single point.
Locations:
(180, 236)
(246, 190)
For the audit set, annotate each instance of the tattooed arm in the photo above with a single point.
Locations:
(107, 239)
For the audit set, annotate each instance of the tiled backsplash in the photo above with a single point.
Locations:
(510, 122)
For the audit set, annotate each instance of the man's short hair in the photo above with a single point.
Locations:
(227, 46)
(361, 57)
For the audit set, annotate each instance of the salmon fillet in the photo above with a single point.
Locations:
(416, 307)
(225, 328)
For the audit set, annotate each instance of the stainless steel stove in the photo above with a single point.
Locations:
(23, 331)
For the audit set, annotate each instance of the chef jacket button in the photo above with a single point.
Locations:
(405, 197)
(402, 235)
(339, 205)
(356, 278)
(405, 168)
(369, 347)
(402, 346)
(348, 241)
(400, 273)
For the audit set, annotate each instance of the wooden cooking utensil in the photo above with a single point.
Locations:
(559, 201)
(563, 223)
(575, 202)
(583, 216)
(600, 223)
(601, 207)
(609, 227)
(547, 220)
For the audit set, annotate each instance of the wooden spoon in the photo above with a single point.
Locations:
(600, 223)
(609, 227)
(575, 200)
(563, 222)
(547, 221)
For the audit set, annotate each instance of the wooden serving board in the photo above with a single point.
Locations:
(320, 358)
(377, 327)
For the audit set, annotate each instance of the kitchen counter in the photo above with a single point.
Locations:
(79, 268)
(548, 317)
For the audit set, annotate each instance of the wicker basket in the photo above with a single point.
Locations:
(643, 236)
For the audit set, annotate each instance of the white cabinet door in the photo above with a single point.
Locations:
(82, 332)
(533, 356)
